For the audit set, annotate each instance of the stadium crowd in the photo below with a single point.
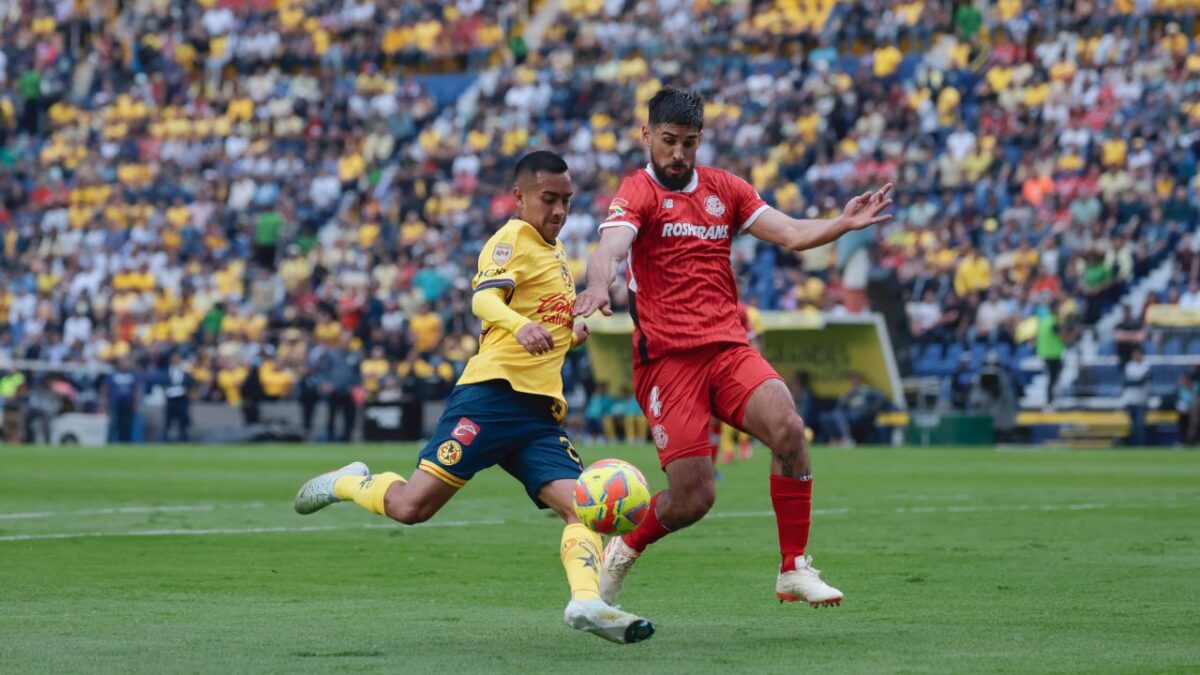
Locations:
(265, 189)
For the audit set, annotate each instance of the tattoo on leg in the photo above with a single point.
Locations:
(787, 461)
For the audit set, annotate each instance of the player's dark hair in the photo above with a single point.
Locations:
(672, 105)
(539, 160)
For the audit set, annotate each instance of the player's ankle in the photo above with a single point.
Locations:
(789, 562)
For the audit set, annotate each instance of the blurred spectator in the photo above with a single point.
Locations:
(1193, 433)
(309, 395)
(629, 418)
(993, 319)
(340, 374)
(1128, 335)
(806, 404)
(1185, 402)
(960, 383)
(993, 393)
(1136, 393)
(1049, 346)
(974, 273)
(852, 419)
(251, 393)
(1191, 298)
(12, 395)
(599, 425)
(124, 390)
(925, 318)
(178, 385)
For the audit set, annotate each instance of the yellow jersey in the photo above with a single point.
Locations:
(539, 287)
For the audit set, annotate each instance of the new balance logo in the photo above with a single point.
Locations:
(668, 203)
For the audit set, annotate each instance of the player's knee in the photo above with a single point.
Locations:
(788, 436)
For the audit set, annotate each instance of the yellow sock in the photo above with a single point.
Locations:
(581, 559)
(367, 492)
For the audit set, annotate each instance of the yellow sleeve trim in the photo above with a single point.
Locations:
(441, 474)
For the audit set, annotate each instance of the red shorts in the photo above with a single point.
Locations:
(681, 392)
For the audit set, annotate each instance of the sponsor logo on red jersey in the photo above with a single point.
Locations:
(698, 231)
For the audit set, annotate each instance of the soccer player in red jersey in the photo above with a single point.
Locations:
(674, 223)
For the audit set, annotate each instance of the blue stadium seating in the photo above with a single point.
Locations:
(1172, 347)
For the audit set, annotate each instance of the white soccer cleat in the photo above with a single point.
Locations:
(617, 559)
(317, 493)
(596, 617)
(804, 584)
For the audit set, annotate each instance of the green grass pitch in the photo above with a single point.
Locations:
(189, 559)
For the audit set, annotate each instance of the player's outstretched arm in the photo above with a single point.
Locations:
(489, 305)
(800, 235)
(602, 269)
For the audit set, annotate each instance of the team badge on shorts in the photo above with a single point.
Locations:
(502, 254)
(660, 436)
(449, 453)
(714, 205)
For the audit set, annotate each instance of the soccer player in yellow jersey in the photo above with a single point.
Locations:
(507, 408)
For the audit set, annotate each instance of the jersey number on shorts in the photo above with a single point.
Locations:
(571, 450)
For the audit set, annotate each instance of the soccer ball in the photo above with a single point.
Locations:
(611, 497)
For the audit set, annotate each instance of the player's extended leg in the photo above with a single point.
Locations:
(385, 494)
(580, 554)
(317, 493)
(691, 492)
(770, 415)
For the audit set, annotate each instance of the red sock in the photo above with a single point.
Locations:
(649, 531)
(792, 499)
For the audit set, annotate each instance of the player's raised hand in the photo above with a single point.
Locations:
(581, 332)
(535, 339)
(591, 300)
(865, 209)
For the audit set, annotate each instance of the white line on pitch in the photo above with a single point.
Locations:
(181, 508)
(468, 523)
(245, 530)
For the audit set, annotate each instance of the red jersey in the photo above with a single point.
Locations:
(682, 293)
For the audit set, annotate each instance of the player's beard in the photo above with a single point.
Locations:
(672, 182)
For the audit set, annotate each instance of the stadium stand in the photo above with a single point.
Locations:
(255, 184)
